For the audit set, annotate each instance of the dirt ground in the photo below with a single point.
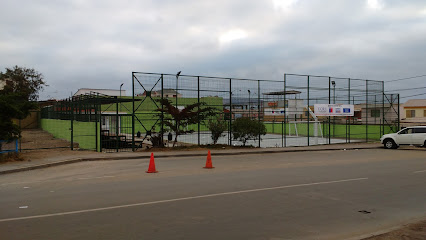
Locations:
(39, 139)
(38, 144)
(415, 231)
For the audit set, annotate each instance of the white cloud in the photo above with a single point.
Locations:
(232, 35)
(284, 4)
(98, 43)
(375, 4)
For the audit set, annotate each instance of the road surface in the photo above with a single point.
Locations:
(300, 195)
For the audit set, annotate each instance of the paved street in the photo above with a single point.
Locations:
(294, 195)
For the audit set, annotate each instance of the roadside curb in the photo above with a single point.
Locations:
(76, 160)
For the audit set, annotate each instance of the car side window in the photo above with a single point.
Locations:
(406, 131)
(419, 130)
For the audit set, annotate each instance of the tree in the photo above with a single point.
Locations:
(244, 129)
(26, 82)
(217, 127)
(17, 98)
(178, 120)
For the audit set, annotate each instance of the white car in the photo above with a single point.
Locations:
(407, 136)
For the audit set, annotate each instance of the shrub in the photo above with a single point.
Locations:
(217, 127)
(244, 129)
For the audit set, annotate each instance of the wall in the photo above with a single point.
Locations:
(30, 122)
(419, 111)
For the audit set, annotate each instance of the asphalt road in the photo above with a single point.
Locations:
(304, 195)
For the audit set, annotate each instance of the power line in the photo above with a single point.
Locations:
(406, 89)
(414, 95)
(405, 78)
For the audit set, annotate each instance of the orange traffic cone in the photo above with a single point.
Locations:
(151, 168)
(209, 161)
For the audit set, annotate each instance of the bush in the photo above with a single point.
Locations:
(217, 127)
(244, 129)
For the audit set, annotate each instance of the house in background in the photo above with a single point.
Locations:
(413, 113)
(108, 92)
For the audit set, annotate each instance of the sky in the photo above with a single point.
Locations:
(99, 43)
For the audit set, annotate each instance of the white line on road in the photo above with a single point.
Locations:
(422, 171)
(179, 199)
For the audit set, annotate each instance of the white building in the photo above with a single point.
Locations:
(108, 92)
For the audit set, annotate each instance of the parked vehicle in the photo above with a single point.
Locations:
(407, 136)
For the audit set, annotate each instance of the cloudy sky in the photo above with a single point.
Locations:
(98, 43)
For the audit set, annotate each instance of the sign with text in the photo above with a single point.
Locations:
(334, 110)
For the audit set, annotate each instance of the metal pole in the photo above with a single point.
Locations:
(116, 125)
(162, 113)
(399, 127)
(329, 118)
(120, 95)
(72, 124)
(230, 113)
(349, 102)
(383, 107)
(285, 111)
(198, 99)
(20, 137)
(366, 110)
(96, 124)
(308, 115)
(249, 104)
(334, 102)
(258, 104)
(133, 112)
(177, 78)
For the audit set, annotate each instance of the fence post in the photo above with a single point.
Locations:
(308, 115)
(198, 115)
(20, 136)
(162, 107)
(366, 110)
(258, 104)
(97, 120)
(383, 107)
(230, 113)
(117, 140)
(133, 112)
(72, 124)
(399, 116)
(329, 118)
(348, 121)
(285, 110)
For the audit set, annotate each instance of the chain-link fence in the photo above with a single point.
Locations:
(285, 107)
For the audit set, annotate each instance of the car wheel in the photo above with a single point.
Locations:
(389, 144)
(424, 144)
